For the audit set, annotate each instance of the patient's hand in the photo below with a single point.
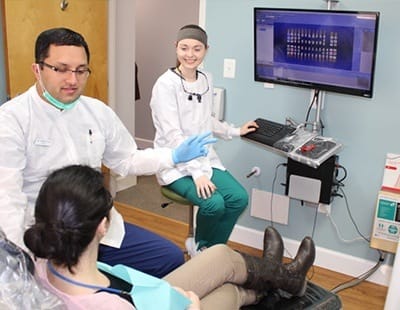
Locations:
(195, 305)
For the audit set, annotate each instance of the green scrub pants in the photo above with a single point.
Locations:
(218, 214)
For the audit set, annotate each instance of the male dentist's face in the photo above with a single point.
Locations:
(65, 86)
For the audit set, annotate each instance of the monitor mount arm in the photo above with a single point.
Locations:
(316, 125)
(331, 3)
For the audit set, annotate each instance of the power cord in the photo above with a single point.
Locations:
(313, 101)
(338, 183)
(271, 201)
(315, 222)
(339, 191)
(339, 235)
(355, 281)
(312, 237)
(273, 190)
(351, 216)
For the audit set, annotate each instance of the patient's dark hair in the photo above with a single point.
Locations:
(58, 37)
(71, 204)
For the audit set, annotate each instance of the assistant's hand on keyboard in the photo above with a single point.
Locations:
(248, 127)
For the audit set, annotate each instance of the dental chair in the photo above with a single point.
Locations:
(18, 286)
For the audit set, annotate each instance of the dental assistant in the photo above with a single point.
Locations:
(181, 106)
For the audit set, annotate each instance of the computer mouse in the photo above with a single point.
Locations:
(307, 147)
(284, 146)
(287, 147)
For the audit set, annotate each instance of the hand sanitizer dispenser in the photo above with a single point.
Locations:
(218, 103)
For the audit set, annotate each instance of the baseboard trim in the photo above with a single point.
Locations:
(328, 259)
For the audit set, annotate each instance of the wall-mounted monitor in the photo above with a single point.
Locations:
(319, 49)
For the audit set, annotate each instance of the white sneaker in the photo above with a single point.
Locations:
(191, 247)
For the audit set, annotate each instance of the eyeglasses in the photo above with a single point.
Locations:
(81, 73)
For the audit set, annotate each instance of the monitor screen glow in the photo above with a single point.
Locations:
(318, 49)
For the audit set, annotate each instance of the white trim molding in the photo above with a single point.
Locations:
(144, 143)
(202, 13)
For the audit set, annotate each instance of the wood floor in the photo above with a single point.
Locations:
(364, 296)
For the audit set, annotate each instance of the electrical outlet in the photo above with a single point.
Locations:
(322, 207)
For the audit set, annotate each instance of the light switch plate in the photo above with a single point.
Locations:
(229, 68)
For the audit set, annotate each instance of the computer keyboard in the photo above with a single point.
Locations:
(269, 132)
(268, 128)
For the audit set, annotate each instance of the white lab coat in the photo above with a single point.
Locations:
(37, 138)
(176, 117)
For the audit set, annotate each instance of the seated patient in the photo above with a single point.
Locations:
(72, 214)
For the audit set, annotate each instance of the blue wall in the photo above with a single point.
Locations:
(366, 127)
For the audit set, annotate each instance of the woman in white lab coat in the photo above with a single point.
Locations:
(181, 106)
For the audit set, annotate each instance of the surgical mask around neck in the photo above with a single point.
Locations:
(58, 103)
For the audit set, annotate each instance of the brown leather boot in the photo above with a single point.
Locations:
(273, 244)
(264, 274)
(304, 259)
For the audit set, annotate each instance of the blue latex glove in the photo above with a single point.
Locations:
(192, 147)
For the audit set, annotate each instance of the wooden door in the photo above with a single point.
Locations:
(25, 19)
